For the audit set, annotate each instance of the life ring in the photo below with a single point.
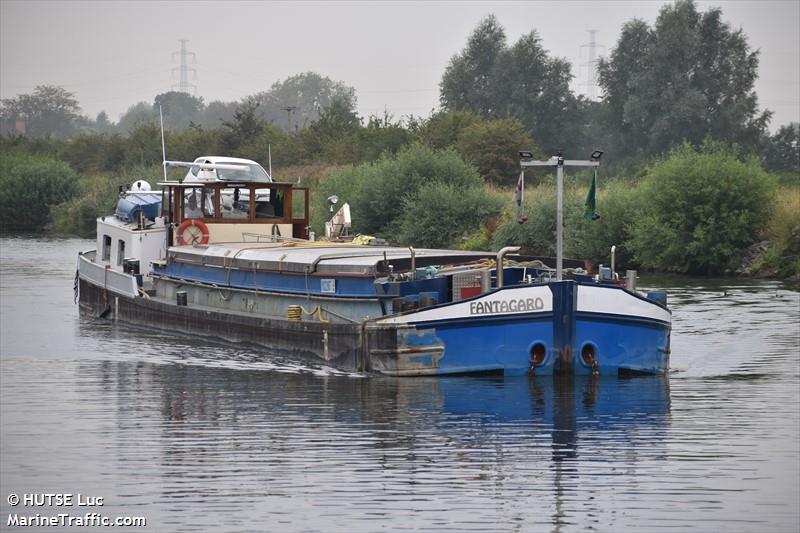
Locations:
(193, 239)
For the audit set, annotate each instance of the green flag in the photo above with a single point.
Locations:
(590, 206)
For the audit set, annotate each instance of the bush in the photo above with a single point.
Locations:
(29, 187)
(93, 152)
(380, 137)
(618, 206)
(783, 232)
(538, 233)
(701, 207)
(310, 176)
(401, 177)
(143, 146)
(192, 143)
(98, 197)
(348, 184)
(617, 203)
(440, 214)
(376, 191)
(78, 216)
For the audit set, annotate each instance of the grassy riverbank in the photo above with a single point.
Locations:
(707, 210)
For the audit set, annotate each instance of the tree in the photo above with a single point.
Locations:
(492, 146)
(338, 117)
(137, 115)
(297, 101)
(783, 149)
(217, 112)
(688, 78)
(534, 88)
(101, 123)
(469, 82)
(332, 137)
(244, 127)
(616, 77)
(522, 81)
(179, 109)
(48, 111)
(442, 129)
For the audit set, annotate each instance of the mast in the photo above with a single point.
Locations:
(163, 146)
(559, 162)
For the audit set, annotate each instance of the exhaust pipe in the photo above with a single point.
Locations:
(500, 255)
(613, 260)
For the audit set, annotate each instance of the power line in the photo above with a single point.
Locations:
(591, 65)
(183, 84)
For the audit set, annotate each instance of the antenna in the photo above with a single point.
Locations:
(163, 146)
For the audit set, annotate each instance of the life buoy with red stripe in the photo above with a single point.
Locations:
(192, 236)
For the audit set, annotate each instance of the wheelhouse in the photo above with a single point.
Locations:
(234, 211)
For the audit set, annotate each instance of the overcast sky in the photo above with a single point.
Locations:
(112, 54)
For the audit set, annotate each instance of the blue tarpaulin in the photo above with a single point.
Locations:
(149, 204)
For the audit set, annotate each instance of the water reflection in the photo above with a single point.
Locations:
(200, 436)
(254, 439)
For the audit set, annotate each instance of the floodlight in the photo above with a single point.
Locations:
(332, 200)
(525, 154)
(596, 155)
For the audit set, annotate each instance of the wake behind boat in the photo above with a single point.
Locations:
(226, 253)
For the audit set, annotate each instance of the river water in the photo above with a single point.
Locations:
(196, 436)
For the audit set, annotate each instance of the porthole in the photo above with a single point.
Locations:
(538, 354)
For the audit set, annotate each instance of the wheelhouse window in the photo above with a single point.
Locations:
(106, 247)
(251, 173)
(235, 203)
(192, 204)
(269, 205)
(120, 251)
(208, 203)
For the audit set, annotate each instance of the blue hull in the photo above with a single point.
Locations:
(487, 347)
(580, 329)
(623, 346)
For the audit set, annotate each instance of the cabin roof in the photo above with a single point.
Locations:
(224, 159)
(319, 257)
(228, 184)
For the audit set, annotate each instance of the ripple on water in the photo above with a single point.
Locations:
(203, 436)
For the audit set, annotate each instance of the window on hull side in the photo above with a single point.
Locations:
(106, 248)
(120, 252)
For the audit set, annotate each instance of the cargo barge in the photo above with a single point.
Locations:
(225, 253)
